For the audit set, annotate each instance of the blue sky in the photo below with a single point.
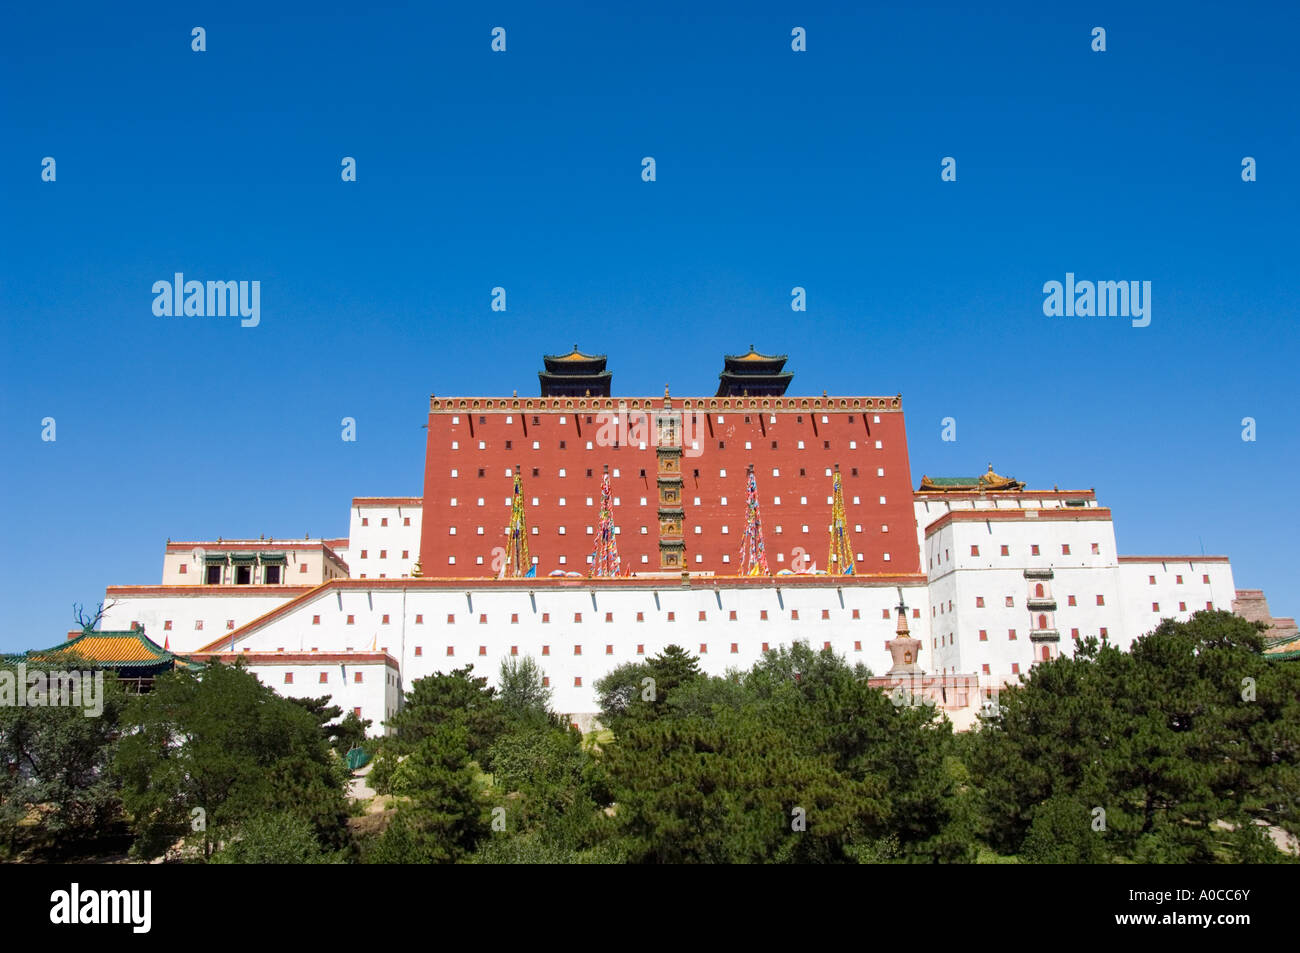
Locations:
(775, 169)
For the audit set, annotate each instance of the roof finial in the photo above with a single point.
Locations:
(665, 389)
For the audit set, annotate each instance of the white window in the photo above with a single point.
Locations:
(780, 557)
(772, 419)
(853, 445)
(618, 531)
(508, 501)
(510, 420)
(451, 531)
(859, 557)
(778, 529)
(697, 501)
(641, 446)
(561, 420)
(699, 558)
(886, 557)
(857, 528)
(455, 445)
(451, 560)
(776, 471)
(722, 473)
(509, 472)
(776, 501)
(880, 471)
(588, 444)
(482, 445)
(643, 501)
(695, 445)
(800, 444)
(726, 558)
(537, 445)
(805, 529)
(616, 471)
(698, 530)
(856, 501)
(803, 501)
(884, 528)
(561, 530)
(876, 419)
(563, 560)
(590, 531)
(882, 501)
(589, 501)
(830, 500)
(562, 499)
(825, 419)
(644, 531)
(563, 472)
(879, 445)
(617, 501)
(719, 418)
(455, 420)
(534, 530)
(748, 445)
(480, 501)
(453, 501)
(724, 501)
(478, 530)
(479, 560)
(645, 559)
(455, 474)
(534, 501)
(726, 530)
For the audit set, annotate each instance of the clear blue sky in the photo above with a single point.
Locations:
(522, 169)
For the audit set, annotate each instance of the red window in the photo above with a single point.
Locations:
(1103, 631)
(640, 650)
(986, 668)
(764, 646)
(974, 550)
(383, 554)
(1155, 607)
(324, 677)
(577, 681)
(1210, 606)
(577, 650)
(451, 650)
(315, 620)
(984, 635)
(1070, 600)
(356, 677)
(514, 618)
(794, 615)
(1011, 600)
(884, 614)
(1096, 549)
(1039, 591)
(302, 567)
(546, 617)
(1151, 580)
(1006, 550)
(167, 625)
(703, 615)
(546, 650)
(609, 650)
(916, 613)
(609, 617)
(857, 646)
(704, 649)
(826, 613)
(1178, 580)
(735, 648)
(383, 521)
(546, 681)
(979, 602)
(1047, 654)
(1182, 607)
(230, 624)
(577, 617)
(857, 614)
(406, 554)
(1206, 579)
(288, 678)
(1101, 600)
(482, 650)
(384, 619)
(198, 624)
(419, 618)
(1011, 635)
(514, 650)
(351, 620)
(451, 618)
(640, 617)
(419, 650)
(482, 618)
(184, 569)
(357, 711)
(1033, 549)
(1015, 668)
(406, 521)
(365, 521)
(826, 645)
(1042, 620)
(672, 616)
(1065, 549)
(363, 554)
(1074, 634)
(732, 615)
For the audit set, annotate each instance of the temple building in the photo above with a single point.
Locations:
(587, 529)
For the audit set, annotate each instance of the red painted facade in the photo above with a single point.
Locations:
(562, 446)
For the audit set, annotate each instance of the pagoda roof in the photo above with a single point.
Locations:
(575, 375)
(988, 481)
(575, 362)
(131, 652)
(756, 374)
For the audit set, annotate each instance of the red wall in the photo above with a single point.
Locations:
(797, 419)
